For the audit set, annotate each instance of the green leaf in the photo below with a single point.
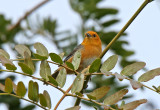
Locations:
(133, 105)
(132, 68)
(48, 99)
(7, 63)
(76, 60)
(56, 58)
(95, 66)
(109, 64)
(33, 91)
(28, 61)
(2, 87)
(78, 83)
(101, 12)
(114, 98)
(45, 70)
(61, 78)
(21, 90)
(21, 49)
(8, 85)
(74, 108)
(70, 65)
(110, 22)
(42, 99)
(41, 51)
(53, 81)
(98, 93)
(4, 53)
(25, 68)
(149, 75)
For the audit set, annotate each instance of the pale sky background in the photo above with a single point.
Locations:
(143, 36)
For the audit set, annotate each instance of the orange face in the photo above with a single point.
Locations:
(91, 38)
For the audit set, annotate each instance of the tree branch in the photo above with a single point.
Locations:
(115, 39)
(27, 14)
(40, 79)
(125, 27)
(64, 95)
(24, 99)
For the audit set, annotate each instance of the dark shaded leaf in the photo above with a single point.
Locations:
(7, 63)
(110, 22)
(48, 99)
(101, 12)
(149, 75)
(33, 91)
(41, 51)
(133, 105)
(45, 70)
(70, 65)
(76, 60)
(61, 78)
(25, 68)
(53, 81)
(42, 99)
(78, 83)
(95, 66)
(109, 64)
(8, 85)
(56, 58)
(4, 53)
(132, 68)
(98, 93)
(114, 98)
(21, 49)
(21, 90)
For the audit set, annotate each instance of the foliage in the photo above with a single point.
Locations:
(43, 100)
(88, 11)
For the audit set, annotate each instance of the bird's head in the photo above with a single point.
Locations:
(91, 38)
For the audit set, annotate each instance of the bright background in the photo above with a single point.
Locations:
(143, 35)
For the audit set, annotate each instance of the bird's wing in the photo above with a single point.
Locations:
(73, 52)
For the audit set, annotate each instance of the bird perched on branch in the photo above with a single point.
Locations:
(90, 49)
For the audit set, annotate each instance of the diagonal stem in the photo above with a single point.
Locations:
(115, 39)
(125, 27)
(24, 99)
(27, 14)
(64, 95)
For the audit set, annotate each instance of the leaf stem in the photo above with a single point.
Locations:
(64, 95)
(46, 82)
(125, 27)
(24, 99)
(89, 100)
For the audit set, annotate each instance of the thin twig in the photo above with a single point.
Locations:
(125, 27)
(64, 95)
(27, 14)
(89, 100)
(46, 82)
(24, 99)
(62, 65)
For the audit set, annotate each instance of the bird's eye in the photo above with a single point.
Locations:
(94, 35)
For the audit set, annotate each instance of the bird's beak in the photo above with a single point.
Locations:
(88, 35)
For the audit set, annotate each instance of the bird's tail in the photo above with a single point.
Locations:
(55, 74)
